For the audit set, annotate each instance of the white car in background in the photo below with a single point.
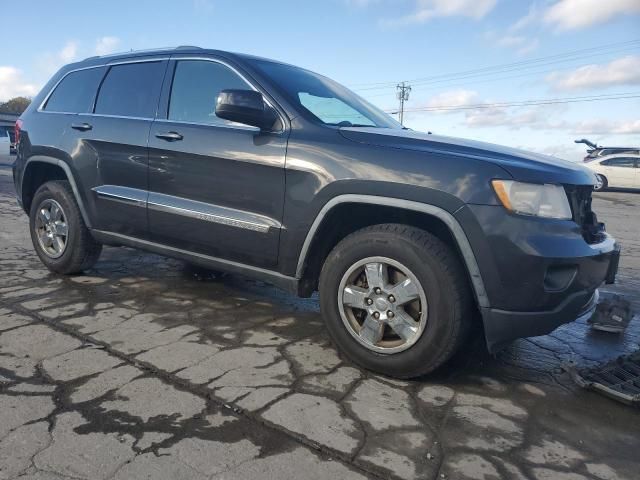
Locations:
(616, 171)
(5, 144)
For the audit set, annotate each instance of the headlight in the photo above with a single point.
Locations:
(548, 201)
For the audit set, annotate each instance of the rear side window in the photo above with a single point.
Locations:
(195, 89)
(625, 162)
(76, 91)
(131, 90)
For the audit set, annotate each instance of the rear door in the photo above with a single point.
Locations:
(117, 133)
(215, 187)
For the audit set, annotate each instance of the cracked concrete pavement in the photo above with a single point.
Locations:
(145, 367)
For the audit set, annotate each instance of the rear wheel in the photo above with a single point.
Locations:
(395, 299)
(59, 235)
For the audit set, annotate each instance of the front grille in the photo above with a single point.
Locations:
(580, 201)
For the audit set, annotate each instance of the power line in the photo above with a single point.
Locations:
(515, 66)
(524, 103)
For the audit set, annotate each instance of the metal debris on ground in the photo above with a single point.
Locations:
(612, 314)
(619, 379)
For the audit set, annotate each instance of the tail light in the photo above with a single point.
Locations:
(17, 131)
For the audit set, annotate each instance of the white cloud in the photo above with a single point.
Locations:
(12, 84)
(607, 127)
(623, 71)
(107, 45)
(50, 62)
(525, 21)
(453, 98)
(574, 14)
(429, 9)
(539, 117)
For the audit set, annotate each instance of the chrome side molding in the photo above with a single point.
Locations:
(131, 196)
(206, 212)
(211, 213)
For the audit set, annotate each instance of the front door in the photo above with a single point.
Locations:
(215, 187)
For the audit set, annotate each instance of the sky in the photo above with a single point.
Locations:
(565, 63)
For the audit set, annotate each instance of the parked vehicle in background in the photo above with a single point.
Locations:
(596, 151)
(257, 167)
(5, 144)
(616, 171)
(8, 131)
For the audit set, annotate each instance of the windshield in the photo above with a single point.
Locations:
(325, 100)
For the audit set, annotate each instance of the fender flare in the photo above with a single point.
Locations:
(449, 220)
(74, 187)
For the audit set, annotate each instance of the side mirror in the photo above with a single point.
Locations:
(245, 106)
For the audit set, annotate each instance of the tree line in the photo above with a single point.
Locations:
(15, 105)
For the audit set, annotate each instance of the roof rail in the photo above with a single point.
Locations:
(149, 50)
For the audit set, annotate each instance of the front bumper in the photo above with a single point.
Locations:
(538, 274)
(502, 327)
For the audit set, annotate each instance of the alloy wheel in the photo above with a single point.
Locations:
(382, 305)
(51, 228)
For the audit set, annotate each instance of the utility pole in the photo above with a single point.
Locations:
(403, 96)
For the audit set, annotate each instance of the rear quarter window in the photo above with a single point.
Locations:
(131, 90)
(76, 92)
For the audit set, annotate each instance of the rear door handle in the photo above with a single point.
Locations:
(83, 127)
(170, 136)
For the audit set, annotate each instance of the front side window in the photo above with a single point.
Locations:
(131, 90)
(76, 91)
(323, 99)
(195, 89)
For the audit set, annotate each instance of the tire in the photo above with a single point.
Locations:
(442, 280)
(604, 183)
(80, 251)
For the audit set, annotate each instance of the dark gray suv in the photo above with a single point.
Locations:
(252, 166)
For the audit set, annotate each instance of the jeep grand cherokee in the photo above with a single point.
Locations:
(261, 168)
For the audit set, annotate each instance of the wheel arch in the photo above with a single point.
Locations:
(39, 170)
(437, 220)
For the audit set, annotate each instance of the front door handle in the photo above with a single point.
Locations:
(83, 127)
(170, 136)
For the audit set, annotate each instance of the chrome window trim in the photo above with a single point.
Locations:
(178, 58)
(239, 126)
(46, 98)
(119, 116)
(107, 64)
(211, 213)
(457, 231)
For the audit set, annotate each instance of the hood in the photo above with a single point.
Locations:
(520, 164)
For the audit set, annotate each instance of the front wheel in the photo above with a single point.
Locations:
(395, 300)
(601, 183)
